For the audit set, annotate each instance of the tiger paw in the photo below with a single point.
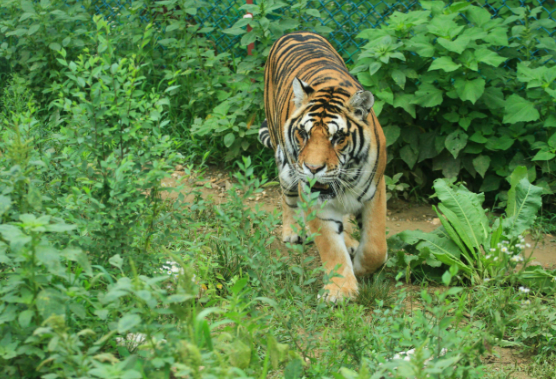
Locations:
(340, 289)
(351, 244)
(288, 235)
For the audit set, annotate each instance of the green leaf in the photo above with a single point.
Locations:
(543, 155)
(50, 302)
(116, 261)
(294, 369)
(470, 89)
(428, 96)
(456, 46)
(399, 78)
(489, 57)
(229, 139)
(409, 156)
(497, 37)
(404, 101)
(501, 143)
(33, 29)
(128, 322)
(478, 16)
(494, 98)
(374, 67)
(25, 318)
(519, 109)
(444, 63)
(481, 164)
(455, 142)
(420, 45)
(467, 207)
(522, 211)
(313, 12)
(55, 46)
(5, 204)
(392, 133)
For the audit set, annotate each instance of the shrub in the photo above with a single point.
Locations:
(471, 96)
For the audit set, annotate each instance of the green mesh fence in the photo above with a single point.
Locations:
(346, 18)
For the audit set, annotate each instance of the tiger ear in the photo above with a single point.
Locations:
(301, 91)
(362, 102)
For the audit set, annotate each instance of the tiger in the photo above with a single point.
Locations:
(321, 125)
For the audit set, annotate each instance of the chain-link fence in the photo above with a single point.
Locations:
(346, 18)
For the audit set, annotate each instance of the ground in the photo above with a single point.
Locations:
(402, 215)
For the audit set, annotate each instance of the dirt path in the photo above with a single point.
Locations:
(401, 215)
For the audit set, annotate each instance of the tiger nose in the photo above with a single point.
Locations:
(314, 168)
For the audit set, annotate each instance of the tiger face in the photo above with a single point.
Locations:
(326, 136)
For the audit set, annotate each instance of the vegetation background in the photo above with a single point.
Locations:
(103, 278)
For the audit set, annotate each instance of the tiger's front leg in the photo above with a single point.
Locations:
(334, 254)
(372, 251)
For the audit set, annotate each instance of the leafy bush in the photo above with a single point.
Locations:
(469, 96)
(470, 244)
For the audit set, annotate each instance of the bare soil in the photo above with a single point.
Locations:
(401, 215)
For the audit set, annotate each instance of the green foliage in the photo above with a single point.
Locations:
(473, 96)
(473, 246)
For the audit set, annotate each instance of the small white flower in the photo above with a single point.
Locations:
(492, 250)
(526, 302)
(528, 245)
(516, 258)
(488, 256)
(505, 242)
(499, 244)
(524, 289)
(495, 259)
(487, 280)
(504, 250)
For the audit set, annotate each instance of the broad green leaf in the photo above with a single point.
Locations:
(399, 78)
(519, 109)
(444, 249)
(489, 57)
(392, 133)
(478, 16)
(427, 96)
(444, 63)
(493, 98)
(523, 209)
(455, 230)
(455, 142)
(409, 156)
(470, 89)
(128, 322)
(229, 139)
(490, 183)
(374, 67)
(50, 302)
(456, 46)
(481, 164)
(467, 206)
(497, 37)
(404, 101)
(501, 143)
(420, 45)
(543, 155)
(516, 176)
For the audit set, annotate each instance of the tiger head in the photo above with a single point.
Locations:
(327, 135)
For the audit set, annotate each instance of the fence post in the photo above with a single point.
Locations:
(249, 28)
